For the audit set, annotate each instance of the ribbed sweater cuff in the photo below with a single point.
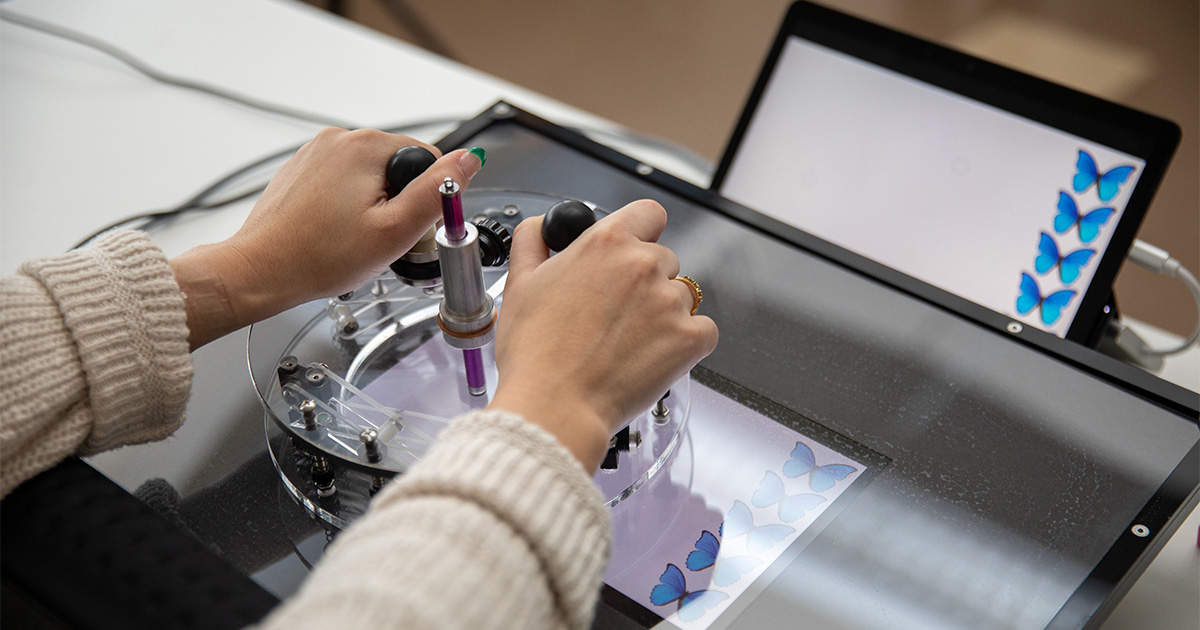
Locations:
(531, 481)
(120, 301)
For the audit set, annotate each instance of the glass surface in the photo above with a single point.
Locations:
(1012, 474)
(1002, 478)
(1006, 212)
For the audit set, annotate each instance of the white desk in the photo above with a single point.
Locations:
(85, 141)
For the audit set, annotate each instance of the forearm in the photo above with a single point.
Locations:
(220, 294)
(93, 354)
(499, 527)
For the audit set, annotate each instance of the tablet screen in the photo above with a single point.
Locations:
(994, 207)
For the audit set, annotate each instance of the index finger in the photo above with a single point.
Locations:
(646, 219)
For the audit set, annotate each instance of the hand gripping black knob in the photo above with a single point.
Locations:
(406, 165)
(564, 222)
(495, 242)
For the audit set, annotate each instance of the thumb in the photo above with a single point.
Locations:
(528, 250)
(420, 201)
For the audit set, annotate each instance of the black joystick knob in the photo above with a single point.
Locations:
(406, 165)
(495, 242)
(564, 222)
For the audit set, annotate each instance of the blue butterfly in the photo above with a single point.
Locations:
(728, 570)
(1089, 224)
(706, 551)
(1068, 266)
(1107, 184)
(770, 491)
(740, 521)
(803, 461)
(1031, 298)
(672, 587)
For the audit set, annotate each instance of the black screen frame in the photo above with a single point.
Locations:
(1148, 137)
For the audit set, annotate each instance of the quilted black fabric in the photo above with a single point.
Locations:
(82, 548)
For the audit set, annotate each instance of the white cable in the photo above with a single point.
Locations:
(1159, 261)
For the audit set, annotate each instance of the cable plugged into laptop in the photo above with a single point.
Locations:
(1130, 346)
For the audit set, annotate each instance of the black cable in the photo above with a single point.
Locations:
(187, 84)
(197, 201)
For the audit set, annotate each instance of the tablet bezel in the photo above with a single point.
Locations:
(1145, 136)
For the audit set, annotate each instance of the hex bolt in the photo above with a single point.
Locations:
(308, 411)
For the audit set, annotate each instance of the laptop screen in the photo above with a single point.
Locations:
(991, 205)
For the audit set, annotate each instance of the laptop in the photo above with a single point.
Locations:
(968, 183)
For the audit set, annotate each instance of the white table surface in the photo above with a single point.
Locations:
(85, 141)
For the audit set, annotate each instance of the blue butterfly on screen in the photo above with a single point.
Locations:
(1068, 266)
(1107, 184)
(728, 570)
(672, 587)
(1031, 297)
(1089, 224)
(791, 508)
(802, 461)
(740, 521)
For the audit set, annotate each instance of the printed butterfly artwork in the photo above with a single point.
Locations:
(791, 507)
(1031, 297)
(1069, 266)
(740, 522)
(672, 588)
(727, 570)
(1108, 184)
(802, 461)
(1089, 224)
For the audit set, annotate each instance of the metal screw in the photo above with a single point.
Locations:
(1014, 327)
(511, 210)
(379, 288)
(661, 412)
(315, 376)
(377, 483)
(502, 109)
(644, 169)
(322, 474)
(370, 440)
(1139, 530)
(345, 319)
(308, 411)
(635, 440)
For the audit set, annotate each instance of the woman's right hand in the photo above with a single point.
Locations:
(590, 338)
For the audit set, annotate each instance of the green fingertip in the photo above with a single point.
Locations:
(479, 153)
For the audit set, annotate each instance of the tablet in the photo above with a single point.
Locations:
(989, 185)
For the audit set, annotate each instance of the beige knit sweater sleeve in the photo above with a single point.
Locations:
(93, 354)
(499, 526)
